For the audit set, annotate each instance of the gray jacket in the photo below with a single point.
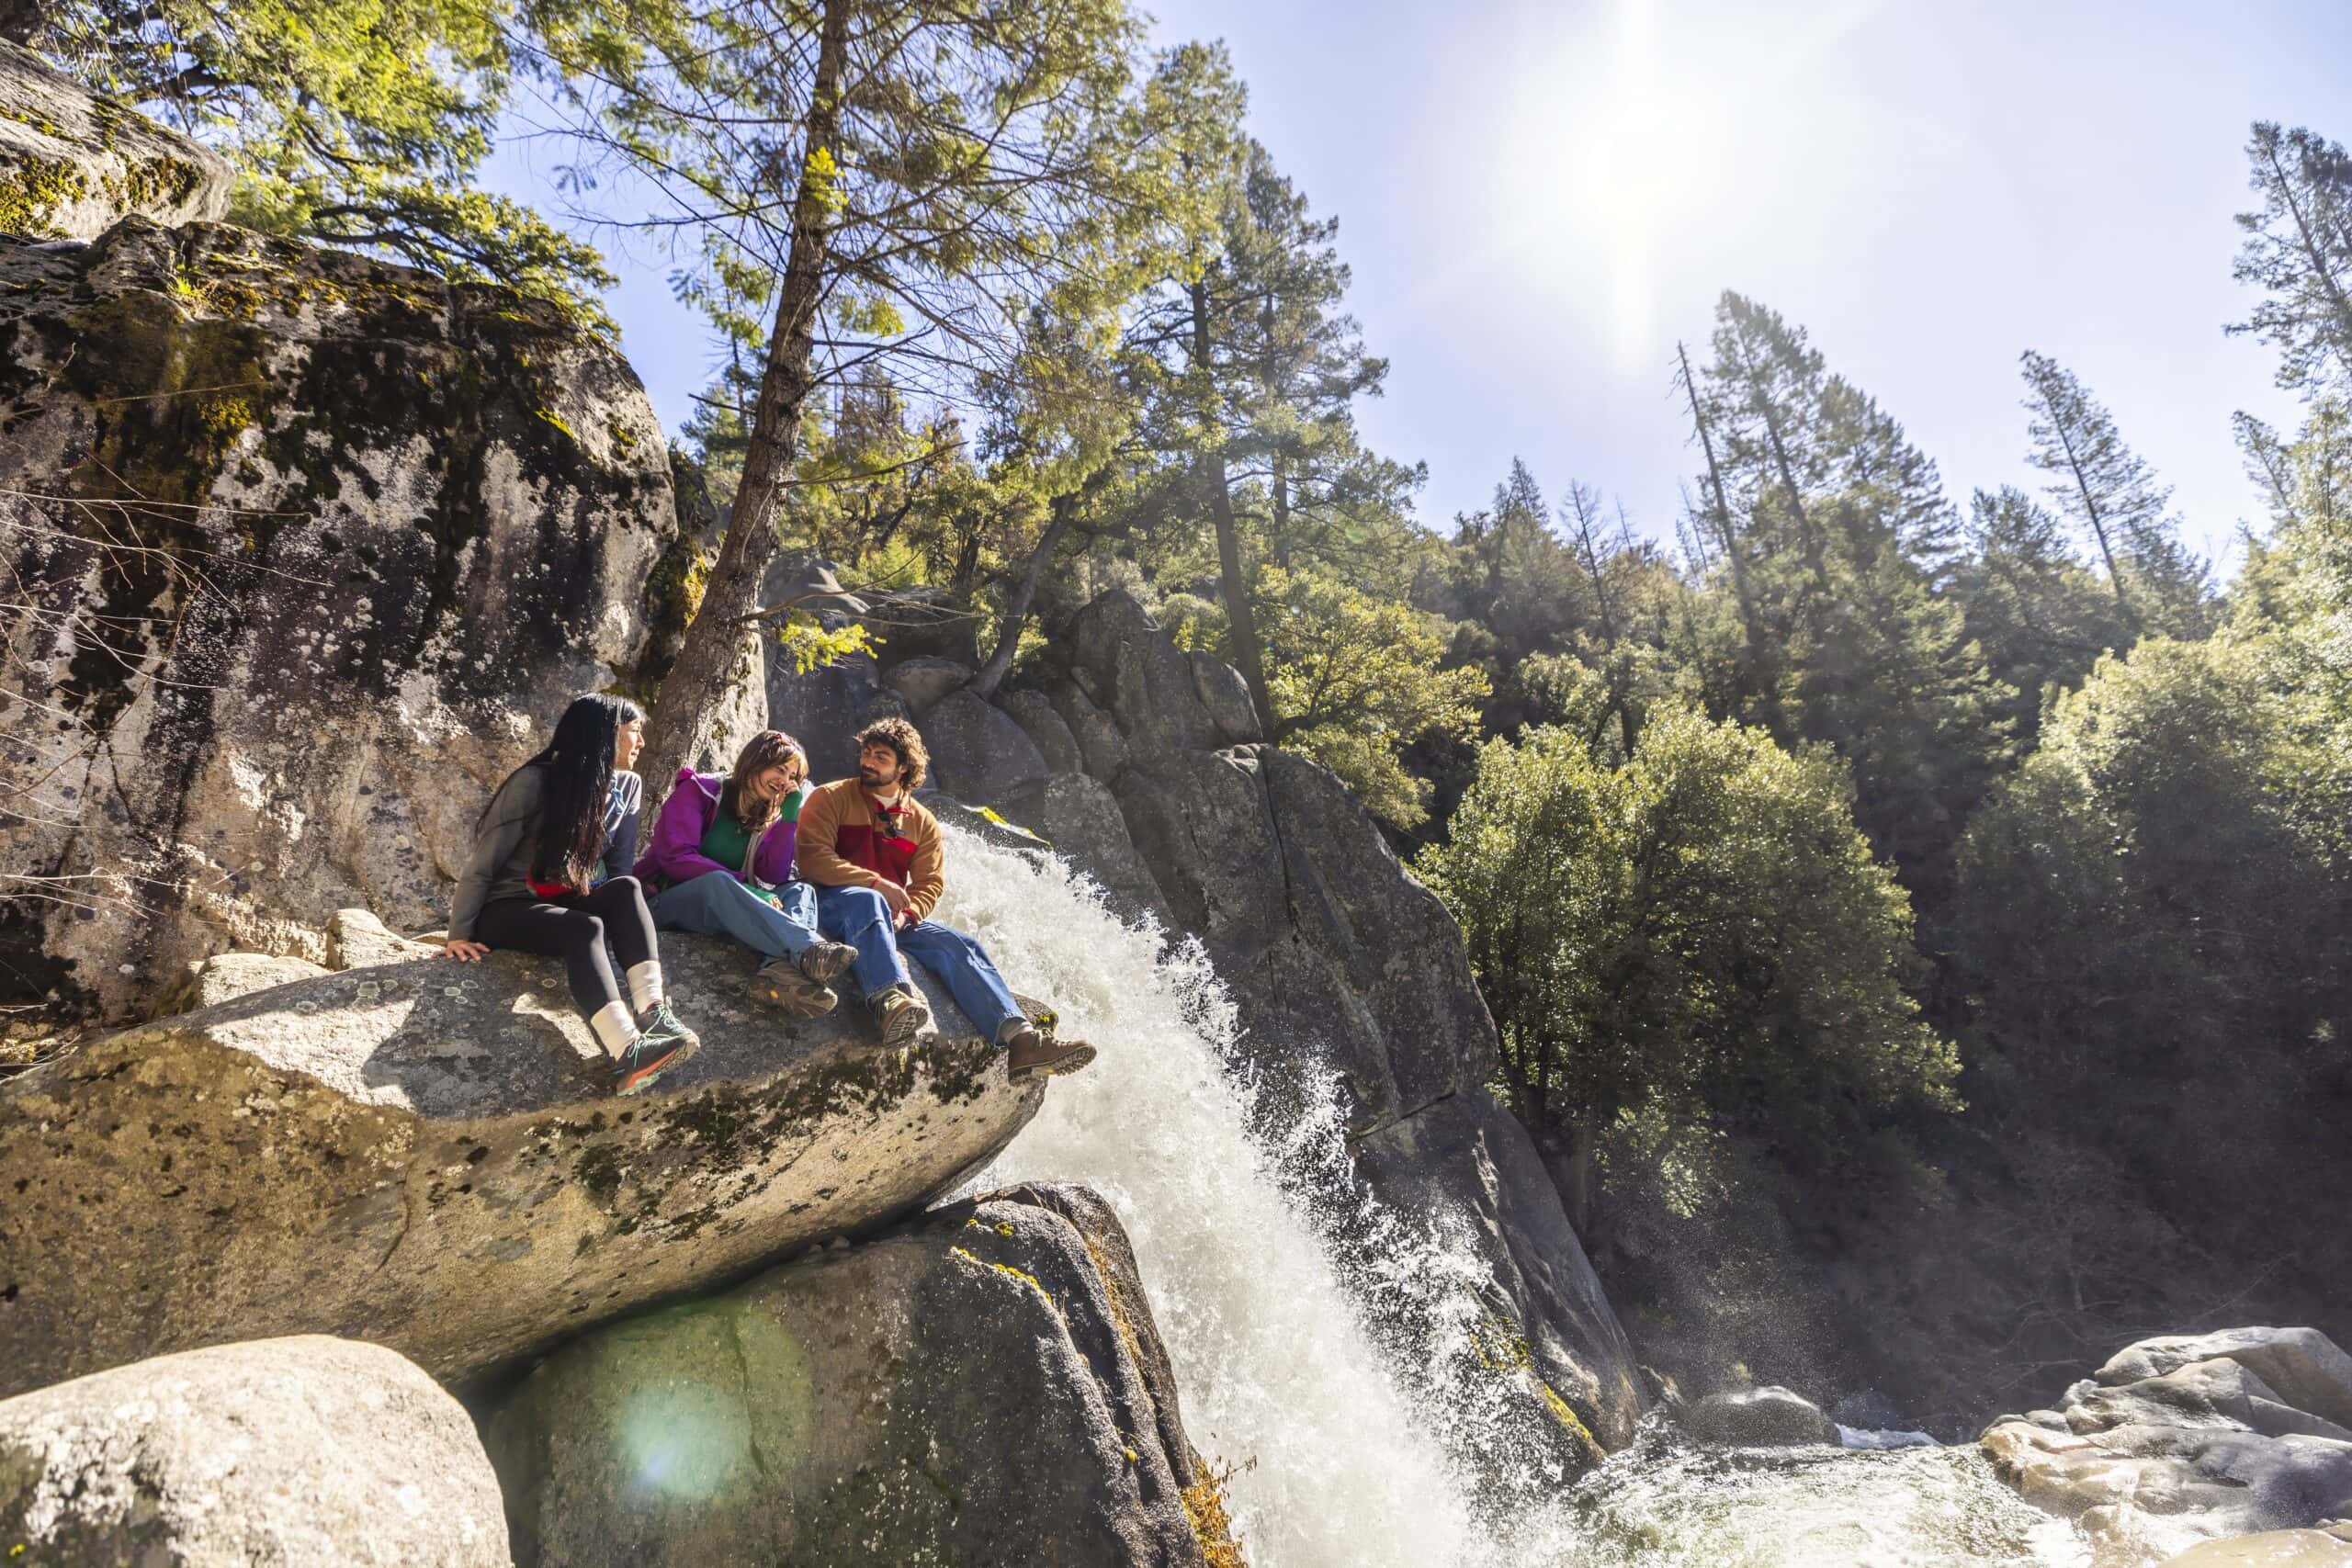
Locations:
(500, 866)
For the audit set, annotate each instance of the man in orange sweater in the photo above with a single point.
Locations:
(873, 852)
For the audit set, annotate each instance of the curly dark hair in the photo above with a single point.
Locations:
(902, 739)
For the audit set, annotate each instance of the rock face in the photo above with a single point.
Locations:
(306, 1451)
(72, 165)
(2187, 1439)
(1757, 1417)
(321, 547)
(986, 1386)
(1338, 960)
(426, 1155)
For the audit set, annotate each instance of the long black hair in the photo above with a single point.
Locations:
(578, 764)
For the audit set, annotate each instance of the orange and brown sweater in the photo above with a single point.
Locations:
(848, 839)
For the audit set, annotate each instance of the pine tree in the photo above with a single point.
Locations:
(2298, 251)
(2112, 493)
(358, 123)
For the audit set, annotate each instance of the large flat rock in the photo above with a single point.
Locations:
(424, 1155)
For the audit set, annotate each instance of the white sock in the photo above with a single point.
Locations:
(645, 985)
(614, 1028)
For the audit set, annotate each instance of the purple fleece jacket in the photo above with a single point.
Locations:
(675, 854)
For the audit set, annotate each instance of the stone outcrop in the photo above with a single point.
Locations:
(425, 1155)
(306, 1452)
(1338, 960)
(2185, 1440)
(72, 165)
(1757, 1417)
(985, 1386)
(311, 551)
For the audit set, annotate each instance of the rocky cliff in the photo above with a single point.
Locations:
(305, 552)
(72, 165)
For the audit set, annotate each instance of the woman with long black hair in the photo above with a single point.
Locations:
(535, 882)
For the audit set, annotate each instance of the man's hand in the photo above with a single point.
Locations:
(464, 952)
(893, 896)
(906, 918)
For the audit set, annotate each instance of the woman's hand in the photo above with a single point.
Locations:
(462, 951)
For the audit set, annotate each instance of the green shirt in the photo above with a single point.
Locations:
(729, 843)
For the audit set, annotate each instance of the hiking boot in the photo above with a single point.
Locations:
(826, 960)
(904, 1016)
(648, 1057)
(664, 1025)
(784, 985)
(1030, 1054)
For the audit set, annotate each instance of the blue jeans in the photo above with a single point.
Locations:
(859, 917)
(716, 903)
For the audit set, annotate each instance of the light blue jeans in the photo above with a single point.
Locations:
(716, 903)
(859, 917)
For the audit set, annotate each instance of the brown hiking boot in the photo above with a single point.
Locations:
(1031, 1054)
(904, 1016)
(826, 960)
(783, 985)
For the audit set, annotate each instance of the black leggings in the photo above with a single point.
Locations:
(576, 929)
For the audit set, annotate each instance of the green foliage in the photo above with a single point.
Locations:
(360, 123)
(1355, 680)
(2298, 251)
(1698, 934)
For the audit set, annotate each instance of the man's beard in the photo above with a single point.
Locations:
(870, 779)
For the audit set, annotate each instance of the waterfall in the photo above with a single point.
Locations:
(1322, 1344)
(1280, 1377)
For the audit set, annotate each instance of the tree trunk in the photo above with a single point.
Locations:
(695, 689)
(1210, 469)
(2099, 524)
(1017, 607)
(1282, 514)
(1723, 526)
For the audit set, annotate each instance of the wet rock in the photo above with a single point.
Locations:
(978, 752)
(72, 165)
(1465, 1155)
(921, 683)
(2182, 1439)
(425, 1155)
(358, 940)
(310, 1453)
(393, 526)
(1033, 712)
(985, 1386)
(1757, 1417)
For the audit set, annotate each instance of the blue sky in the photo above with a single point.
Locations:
(1538, 200)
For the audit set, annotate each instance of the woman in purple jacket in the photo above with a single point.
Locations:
(721, 863)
